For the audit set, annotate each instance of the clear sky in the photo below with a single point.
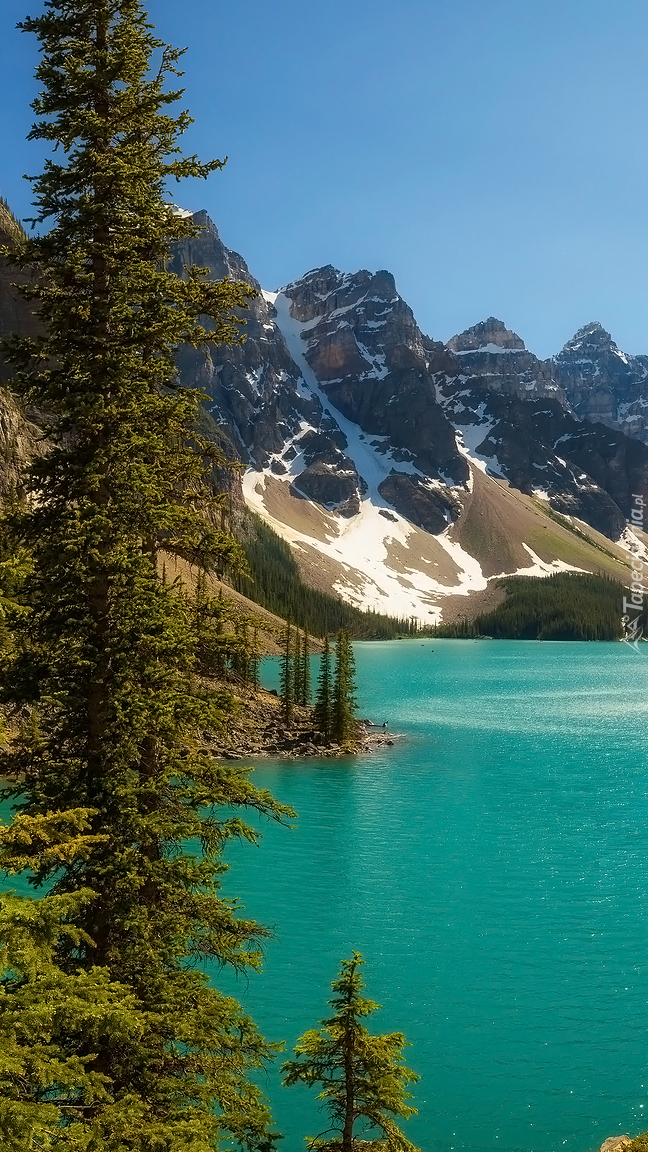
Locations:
(493, 154)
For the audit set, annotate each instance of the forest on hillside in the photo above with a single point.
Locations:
(566, 606)
(275, 583)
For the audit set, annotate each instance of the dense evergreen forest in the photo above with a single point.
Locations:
(275, 583)
(566, 606)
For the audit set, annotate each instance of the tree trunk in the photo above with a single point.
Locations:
(349, 1085)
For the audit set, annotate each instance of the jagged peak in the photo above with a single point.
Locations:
(489, 335)
(322, 281)
(204, 220)
(592, 335)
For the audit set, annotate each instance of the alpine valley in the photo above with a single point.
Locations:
(406, 474)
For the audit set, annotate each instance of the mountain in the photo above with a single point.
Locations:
(406, 473)
(496, 358)
(600, 382)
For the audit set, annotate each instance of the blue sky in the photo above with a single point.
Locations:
(493, 154)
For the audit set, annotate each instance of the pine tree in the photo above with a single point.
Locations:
(287, 673)
(253, 674)
(297, 667)
(103, 672)
(306, 675)
(324, 692)
(44, 1011)
(344, 689)
(363, 1076)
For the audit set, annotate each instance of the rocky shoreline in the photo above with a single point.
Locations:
(615, 1144)
(258, 730)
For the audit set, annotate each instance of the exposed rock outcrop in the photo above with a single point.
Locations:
(372, 362)
(495, 358)
(615, 1144)
(603, 383)
(254, 387)
(378, 451)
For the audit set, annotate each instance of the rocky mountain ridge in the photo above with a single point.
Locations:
(403, 471)
(603, 383)
(590, 376)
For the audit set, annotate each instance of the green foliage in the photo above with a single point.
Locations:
(304, 671)
(106, 669)
(287, 673)
(324, 692)
(45, 1013)
(363, 1076)
(294, 672)
(566, 606)
(274, 581)
(224, 647)
(343, 717)
(639, 1144)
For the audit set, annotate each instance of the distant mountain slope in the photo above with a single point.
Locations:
(493, 357)
(404, 472)
(603, 383)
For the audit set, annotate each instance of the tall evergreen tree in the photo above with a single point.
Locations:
(114, 720)
(287, 673)
(324, 692)
(306, 674)
(363, 1076)
(344, 690)
(297, 667)
(253, 675)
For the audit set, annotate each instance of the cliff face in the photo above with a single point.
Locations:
(254, 388)
(370, 359)
(495, 358)
(603, 383)
(16, 317)
(17, 432)
(401, 470)
(337, 357)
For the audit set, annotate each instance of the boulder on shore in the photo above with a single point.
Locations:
(615, 1144)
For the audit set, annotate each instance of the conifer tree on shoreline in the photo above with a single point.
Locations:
(324, 692)
(344, 690)
(363, 1076)
(287, 673)
(113, 738)
(306, 675)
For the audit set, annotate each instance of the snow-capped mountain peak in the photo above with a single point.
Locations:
(406, 473)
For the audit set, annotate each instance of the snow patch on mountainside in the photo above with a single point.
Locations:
(633, 545)
(363, 542)
(361, 550)
(376, 559)
(469, 439)
(544, 567)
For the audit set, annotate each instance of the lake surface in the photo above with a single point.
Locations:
(492, 867)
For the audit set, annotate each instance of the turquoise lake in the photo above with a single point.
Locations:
(492, 867)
